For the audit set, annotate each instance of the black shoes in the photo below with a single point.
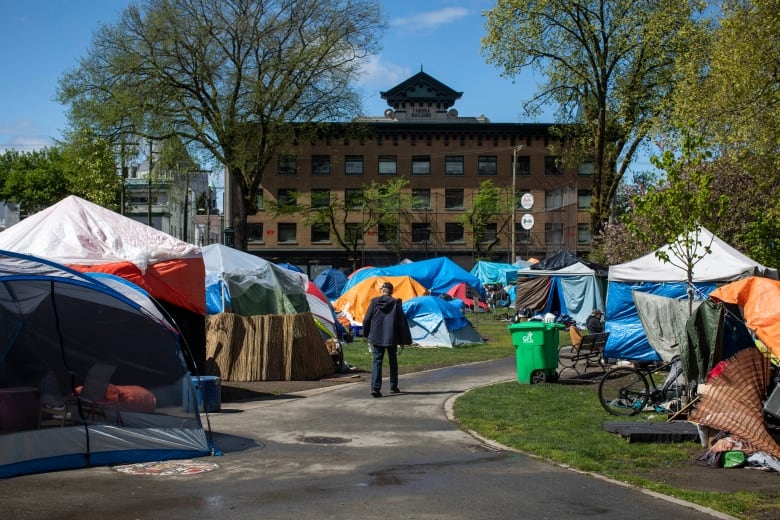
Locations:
(376, 393)
(395, 390)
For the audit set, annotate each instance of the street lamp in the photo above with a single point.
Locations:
(514, 200)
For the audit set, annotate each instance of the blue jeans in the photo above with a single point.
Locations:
(376, 371)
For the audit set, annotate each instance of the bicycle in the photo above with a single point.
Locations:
(627, 390)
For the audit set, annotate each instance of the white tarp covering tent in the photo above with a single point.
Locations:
(89, 238)
(435, 322)
(627, 339)
(89, 375)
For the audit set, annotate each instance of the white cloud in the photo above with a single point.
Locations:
(377, 73)
(430, 20)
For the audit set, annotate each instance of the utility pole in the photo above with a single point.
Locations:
(514, 200)
(149, 187)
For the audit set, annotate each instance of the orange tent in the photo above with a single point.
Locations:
(354, 303)
(759, 299)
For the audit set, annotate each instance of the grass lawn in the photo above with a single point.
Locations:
(562, 423)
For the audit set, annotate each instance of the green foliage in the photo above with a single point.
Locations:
(729, 88)
(82, 166)
(674, 212)
(229, 75)
(487, 205)
(608, 65)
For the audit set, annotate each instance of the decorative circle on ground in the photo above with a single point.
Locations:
(167, 468)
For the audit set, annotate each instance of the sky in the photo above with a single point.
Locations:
(43, 39)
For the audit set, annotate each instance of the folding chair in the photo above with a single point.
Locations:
(93, 394)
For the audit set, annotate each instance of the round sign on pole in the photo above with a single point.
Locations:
(527, 221)
(527, 201)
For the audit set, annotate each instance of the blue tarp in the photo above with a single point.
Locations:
(437, 275)
(435, 322)
(331, 282)
(627, 338)
(494, 272)
(574, 290)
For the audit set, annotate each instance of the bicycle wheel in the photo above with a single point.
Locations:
(623, 391)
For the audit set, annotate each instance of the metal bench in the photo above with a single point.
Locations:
(587, 353)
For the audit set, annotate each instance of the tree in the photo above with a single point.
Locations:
(730, 89)
(609, 66)
(348, 219)
(82, 165)
(487, 204)
(229, 75)
(675, 211)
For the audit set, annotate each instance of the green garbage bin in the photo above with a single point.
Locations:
(536, 350)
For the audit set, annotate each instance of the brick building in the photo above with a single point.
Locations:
(445, 158)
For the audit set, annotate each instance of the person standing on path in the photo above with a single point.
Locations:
(385, 327)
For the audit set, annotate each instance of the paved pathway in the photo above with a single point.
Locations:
(339, 453)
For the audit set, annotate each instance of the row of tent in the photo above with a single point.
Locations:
(82, 242)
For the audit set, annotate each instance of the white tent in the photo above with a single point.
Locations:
(722, 264)
(649, 274)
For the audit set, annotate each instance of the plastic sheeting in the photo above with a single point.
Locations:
(494, 272)
(435, 322)
(759, 299)
(627, 338)
(248, 285)
(87, 237)
(437, 275)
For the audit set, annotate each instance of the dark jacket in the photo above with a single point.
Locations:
(385, 323)
(594, 325)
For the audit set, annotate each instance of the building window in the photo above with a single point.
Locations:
(487, 165)
(453, 233)
(490, 233)
(254, 232)
(421, 233)
(553, 199)
(584, 198)
(388, 165)
(585, 168)
(320, 165)
(523, 165)
(353, 232)
(353, 165)
(522, 235)
(287, 233)
(421, 199)
(320, 233)
(320, 198)
(583, 234)
(551, 166)
(553, 233)
(260, 200)
(286, 197)
(353, 198)
(288, 165)
(387, 233)
(453, 165)
(421, 165)
(453, 199)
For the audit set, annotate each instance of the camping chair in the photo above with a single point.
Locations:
(92, 397)
(53, 401)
